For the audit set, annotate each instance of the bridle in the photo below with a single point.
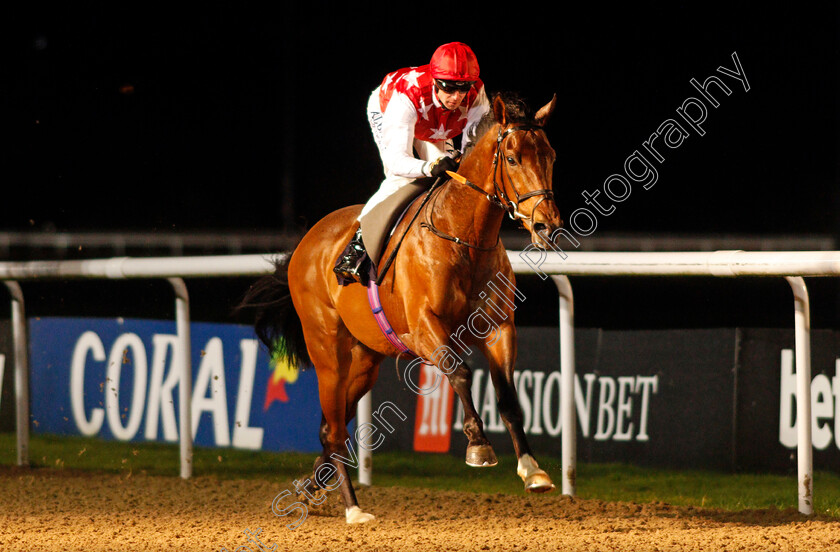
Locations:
(500, 198)
(509, 206)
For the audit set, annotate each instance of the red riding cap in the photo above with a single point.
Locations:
(454, 61)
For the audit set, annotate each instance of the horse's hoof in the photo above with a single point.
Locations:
(356, 515)
(481, 456)
(538, 482)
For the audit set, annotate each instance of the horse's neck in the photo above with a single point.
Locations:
(468, 214)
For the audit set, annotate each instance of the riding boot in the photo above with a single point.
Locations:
(353, 259)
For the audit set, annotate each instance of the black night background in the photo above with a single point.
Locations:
(159, 117)
(220, 116)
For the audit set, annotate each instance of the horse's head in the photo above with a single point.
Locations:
(522, 169)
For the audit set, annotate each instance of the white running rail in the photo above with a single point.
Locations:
(172, 269)
(792, 265)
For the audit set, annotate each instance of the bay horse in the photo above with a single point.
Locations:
(436, 281)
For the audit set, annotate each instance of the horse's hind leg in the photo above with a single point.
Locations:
(364, 371)
(501, 354)
(313, 490)
(332, 357)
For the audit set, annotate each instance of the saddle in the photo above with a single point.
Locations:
(379, 224)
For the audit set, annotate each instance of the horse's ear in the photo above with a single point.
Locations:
(499, 111)
(544, 113)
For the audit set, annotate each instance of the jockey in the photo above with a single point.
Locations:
(414, 115)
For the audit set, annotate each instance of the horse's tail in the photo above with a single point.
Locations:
(276, 322)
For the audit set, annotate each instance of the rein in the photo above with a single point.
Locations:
(430, 225)
(500, 199)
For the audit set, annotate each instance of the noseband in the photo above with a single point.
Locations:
(500, 198)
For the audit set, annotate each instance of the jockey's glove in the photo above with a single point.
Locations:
(443, 164)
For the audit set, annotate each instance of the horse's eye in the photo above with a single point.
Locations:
(511, 161)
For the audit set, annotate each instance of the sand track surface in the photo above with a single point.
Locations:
(51, 510)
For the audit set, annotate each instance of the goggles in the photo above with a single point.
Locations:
(451, 87)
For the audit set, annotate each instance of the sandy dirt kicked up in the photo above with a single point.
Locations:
(45, 509)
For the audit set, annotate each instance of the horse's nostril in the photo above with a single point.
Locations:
(540, 228)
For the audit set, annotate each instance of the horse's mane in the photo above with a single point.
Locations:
(517, 112)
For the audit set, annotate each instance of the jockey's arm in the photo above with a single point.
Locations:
(398, 139)
(474, 115)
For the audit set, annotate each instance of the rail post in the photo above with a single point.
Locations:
(567, 387)
(21, 349)
(184, 363)
(364, 413)
(804, 448)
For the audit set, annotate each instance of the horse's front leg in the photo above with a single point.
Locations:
(501, 356)
(434, 342)
(479, 451)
